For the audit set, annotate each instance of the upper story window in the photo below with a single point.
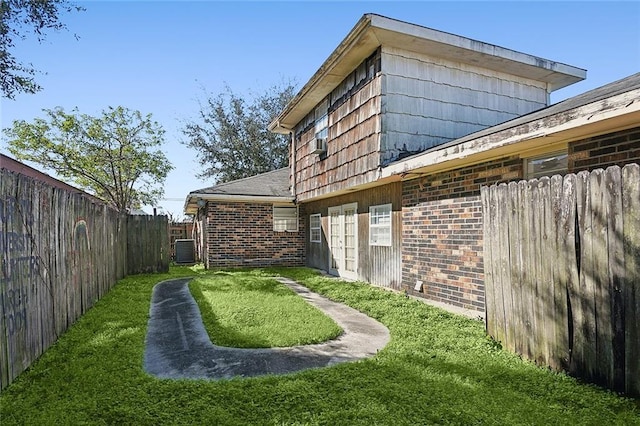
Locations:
(321, 114)
(285, 218)
(380, 225)
(322, 120)
(546, 165)
(315, 228)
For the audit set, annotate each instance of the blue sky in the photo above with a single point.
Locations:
(161, 57)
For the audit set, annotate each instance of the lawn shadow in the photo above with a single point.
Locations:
(210, 318)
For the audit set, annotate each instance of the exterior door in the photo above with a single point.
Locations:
(343, 240)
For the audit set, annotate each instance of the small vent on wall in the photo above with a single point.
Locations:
(319, 145)
(185, 251)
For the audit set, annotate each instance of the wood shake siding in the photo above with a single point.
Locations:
(241, 234)
(429, 101)
(352, 156)
(378, 265)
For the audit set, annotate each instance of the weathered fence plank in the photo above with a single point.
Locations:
(613, 196)
(529, 283)
(584, 299)
(631, 282)
(489, 294)
(600, 262)
(571, 247)
(548, 251)
(515, 260)
(504, 270)
(567, 279)
(536, 260)
(59, 253)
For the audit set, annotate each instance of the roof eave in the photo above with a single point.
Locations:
(191, 203)
(327, 77)
(372, 31)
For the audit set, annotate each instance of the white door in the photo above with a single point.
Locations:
(343, 240)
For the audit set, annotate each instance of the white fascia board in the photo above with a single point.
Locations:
(191, 203)
(244, 198)
(587, 116)
(462, 49)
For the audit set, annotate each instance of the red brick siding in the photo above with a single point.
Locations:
(602, 151)
(241, 234)
(442, 217)
(442, 232)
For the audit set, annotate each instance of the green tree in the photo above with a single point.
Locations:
(17, 19)
(230, 134)
(115, 156)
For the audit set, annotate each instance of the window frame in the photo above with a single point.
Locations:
(321, 120)
(286, 218)
(317, 228)
(389, 225)
(542, 157)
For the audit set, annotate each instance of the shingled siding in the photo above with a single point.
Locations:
(612, 149)
(442, 232)
(241, 234)
(352, 157)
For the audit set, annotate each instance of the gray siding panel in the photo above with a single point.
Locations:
(429, 101)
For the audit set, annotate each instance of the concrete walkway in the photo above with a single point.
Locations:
(178, 347)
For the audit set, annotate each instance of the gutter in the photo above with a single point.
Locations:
(191, 203)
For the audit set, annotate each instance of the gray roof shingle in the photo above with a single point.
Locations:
(270, 184)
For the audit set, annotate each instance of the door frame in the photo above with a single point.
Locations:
(340, 269)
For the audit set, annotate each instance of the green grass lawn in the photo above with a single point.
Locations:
(248, 309)
(438, 369)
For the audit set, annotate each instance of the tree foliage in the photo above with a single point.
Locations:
(17, 19)
(115, 156)
(231, 138)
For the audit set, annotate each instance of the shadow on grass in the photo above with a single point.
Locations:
(226, 280)
(214, 325)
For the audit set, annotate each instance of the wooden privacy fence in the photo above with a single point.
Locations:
(148, 248)
(562, 272)
(60, 253)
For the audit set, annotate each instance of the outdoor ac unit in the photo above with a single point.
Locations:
(320, 145)
(185, 251)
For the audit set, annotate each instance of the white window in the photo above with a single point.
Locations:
(380, 225)
(315, 228)
(285, 218)
(322, 120)
(546, 165)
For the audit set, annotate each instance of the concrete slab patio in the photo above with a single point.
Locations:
(178, 346)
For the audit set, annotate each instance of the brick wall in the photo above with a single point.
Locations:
(442, 217)
(241, 234)
(442, 232)
(602, 151)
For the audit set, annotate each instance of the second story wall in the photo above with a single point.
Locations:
(352, 155)
(429, 101)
